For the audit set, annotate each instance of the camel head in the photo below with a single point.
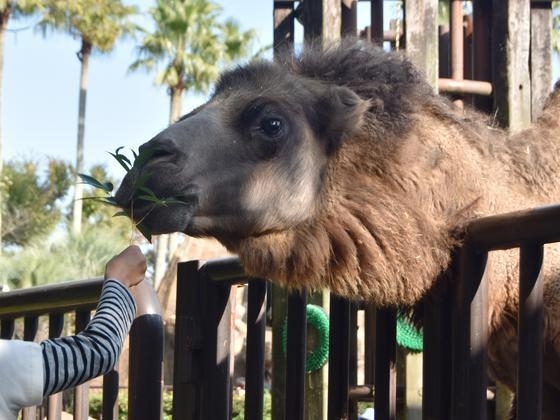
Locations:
(250, 161)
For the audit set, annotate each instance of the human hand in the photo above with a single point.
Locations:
(128, 267)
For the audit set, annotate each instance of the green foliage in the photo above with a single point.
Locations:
(95, 406)
(30, 205)
(67, 258)
(140, 191)
(99, 23)
(191, 43)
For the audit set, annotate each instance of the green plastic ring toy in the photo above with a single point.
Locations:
(317, 318)
(408, 336)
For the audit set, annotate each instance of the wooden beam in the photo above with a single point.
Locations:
(512, 83)
(421, 33)
(322, 21)
(541, 55)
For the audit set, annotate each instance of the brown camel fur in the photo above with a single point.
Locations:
(341, 169)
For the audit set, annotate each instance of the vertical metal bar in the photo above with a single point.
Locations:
(54, 402)
(457, 40)
(187, 375)
(338, 358)
(145, 368)
(278, 390)
(30, 326)
(376, 21)
(7, 328)
(283, 27)
(482, 61)
(216, 357)
(110, 409)
(385, 367)
(369, 343)
(436, 394)
(296, 356)
(256, 326)
(353, 357)
(470, 333)
(530, 360)
(81, 392)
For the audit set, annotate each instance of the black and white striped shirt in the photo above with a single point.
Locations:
(70, 361)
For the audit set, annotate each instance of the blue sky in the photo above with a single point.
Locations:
(40, 98)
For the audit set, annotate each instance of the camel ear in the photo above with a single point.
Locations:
(341, 113)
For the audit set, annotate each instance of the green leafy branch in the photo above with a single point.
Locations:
(140, 191)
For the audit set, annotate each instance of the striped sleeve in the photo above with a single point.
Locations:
(70, 361)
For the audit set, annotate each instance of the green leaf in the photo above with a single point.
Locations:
(89, 180)
(122, 159)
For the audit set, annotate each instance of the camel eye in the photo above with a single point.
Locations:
(271, 126)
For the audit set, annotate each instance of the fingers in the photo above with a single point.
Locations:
(129, 266)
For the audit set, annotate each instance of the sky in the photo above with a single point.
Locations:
(40, 92)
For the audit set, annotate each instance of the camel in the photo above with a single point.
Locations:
(342, 169)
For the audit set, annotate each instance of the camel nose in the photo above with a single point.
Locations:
(158, 147)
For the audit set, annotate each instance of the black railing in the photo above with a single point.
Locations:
(81, 297)
(455, 336)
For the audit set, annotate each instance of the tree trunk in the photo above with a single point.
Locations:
(166, 245)
(83, 55)
(4, 18)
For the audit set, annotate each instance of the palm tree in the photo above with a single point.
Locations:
(189, 44)
(98, 24)
(9, 9)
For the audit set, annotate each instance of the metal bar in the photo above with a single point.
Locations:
(349, 18)
(465, 86)
(470, 321)
(256, 327)
(338, 358)
(110, 408)
(7, 328)
(188, 354)
(456, 33)
(482, 61)
(146, 356)
(353, 358)
(283, 27)
(30, 326)
(54, 402)
(369, 343)
(296, 355)
(145, 367)
(436, 393)
(385, 367)
(216, 324)
(227, 270)
(530, 327)
(81, 392)
(61, 297)
(514, 229)
(376, 22)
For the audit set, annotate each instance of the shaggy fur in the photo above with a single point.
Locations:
(362, 189)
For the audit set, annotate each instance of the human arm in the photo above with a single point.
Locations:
(70, 361)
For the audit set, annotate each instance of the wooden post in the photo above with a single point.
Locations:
(421, 34)
(322, 20)
(541, 57)
(512, 84)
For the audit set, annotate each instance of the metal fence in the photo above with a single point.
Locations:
(455, 334)
(80, 298)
